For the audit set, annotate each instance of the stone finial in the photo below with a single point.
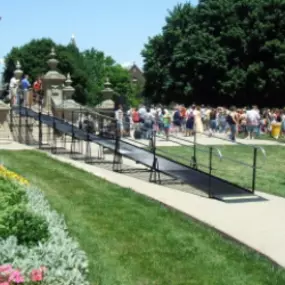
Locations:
(68, 81)
(52, 62)
(52, 52)
(107, 83)
(68, 90)
(18, 72)
(18, 65)
(108, 92)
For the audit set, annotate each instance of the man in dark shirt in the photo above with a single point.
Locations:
(233, 122)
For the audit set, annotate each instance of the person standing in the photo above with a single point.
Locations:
(37, 86)
(166, 122)
(148, 124)
(190, 122)
(198, 124)
(119, 115)
(232, 120)
(13, 90)
(253, 121)
(213, 120)
(25, 85)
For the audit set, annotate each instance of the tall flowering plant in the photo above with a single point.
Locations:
(11, 276)
(4, 172)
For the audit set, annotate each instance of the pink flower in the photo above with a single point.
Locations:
(6, 268)
(4, 283)
(37, 275)
(16, 277)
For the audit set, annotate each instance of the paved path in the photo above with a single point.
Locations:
(179, 139)
(258, 224)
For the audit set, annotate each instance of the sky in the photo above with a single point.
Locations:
(120, 28)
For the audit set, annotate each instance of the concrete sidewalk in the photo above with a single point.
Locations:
(179, 139)
(258, 224)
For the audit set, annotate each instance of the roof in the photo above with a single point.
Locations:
(129, 66)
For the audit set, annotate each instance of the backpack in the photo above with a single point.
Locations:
(229, 119)
(136, 117)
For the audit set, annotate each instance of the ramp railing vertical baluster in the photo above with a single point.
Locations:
(210, 170)
(40, 129)
(117, 160)
(20, 121)
(53, 148)
(72, 134)
(26, 126)
(88, 146)
(193, 162)
(254, 166)
(155, 165)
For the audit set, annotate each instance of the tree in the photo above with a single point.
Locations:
(101, 67)
(34, 55)
(88, 69)
(219, 52)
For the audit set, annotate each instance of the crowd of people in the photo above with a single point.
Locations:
(21, 91)
(248, 123)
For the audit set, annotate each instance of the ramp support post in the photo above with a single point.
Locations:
(73, 140)
(40, 129)
(117, 160)
(48, 133)
(26, 127)
(154, 171)
(72, 135)
(254, 169)
(193, 162)
(88, 153)
(20, 122)
(53, 146)
(210, 171)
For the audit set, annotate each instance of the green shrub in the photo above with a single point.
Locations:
(11, 194)
(15, 219)
(26, 226)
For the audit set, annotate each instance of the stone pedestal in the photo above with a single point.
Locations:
(66, 108)
(106, 108)
(4, 111)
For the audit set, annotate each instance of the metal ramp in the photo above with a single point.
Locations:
(213, 186)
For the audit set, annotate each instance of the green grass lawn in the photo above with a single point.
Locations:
(270, 172)
(131, 240)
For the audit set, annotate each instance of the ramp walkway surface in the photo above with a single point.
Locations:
(214, 186)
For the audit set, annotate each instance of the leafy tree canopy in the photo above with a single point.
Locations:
(88, 69)
(219, 52)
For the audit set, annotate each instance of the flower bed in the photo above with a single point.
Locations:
(59, 254)
(5, 173)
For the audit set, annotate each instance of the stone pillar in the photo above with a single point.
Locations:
(52, 84)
